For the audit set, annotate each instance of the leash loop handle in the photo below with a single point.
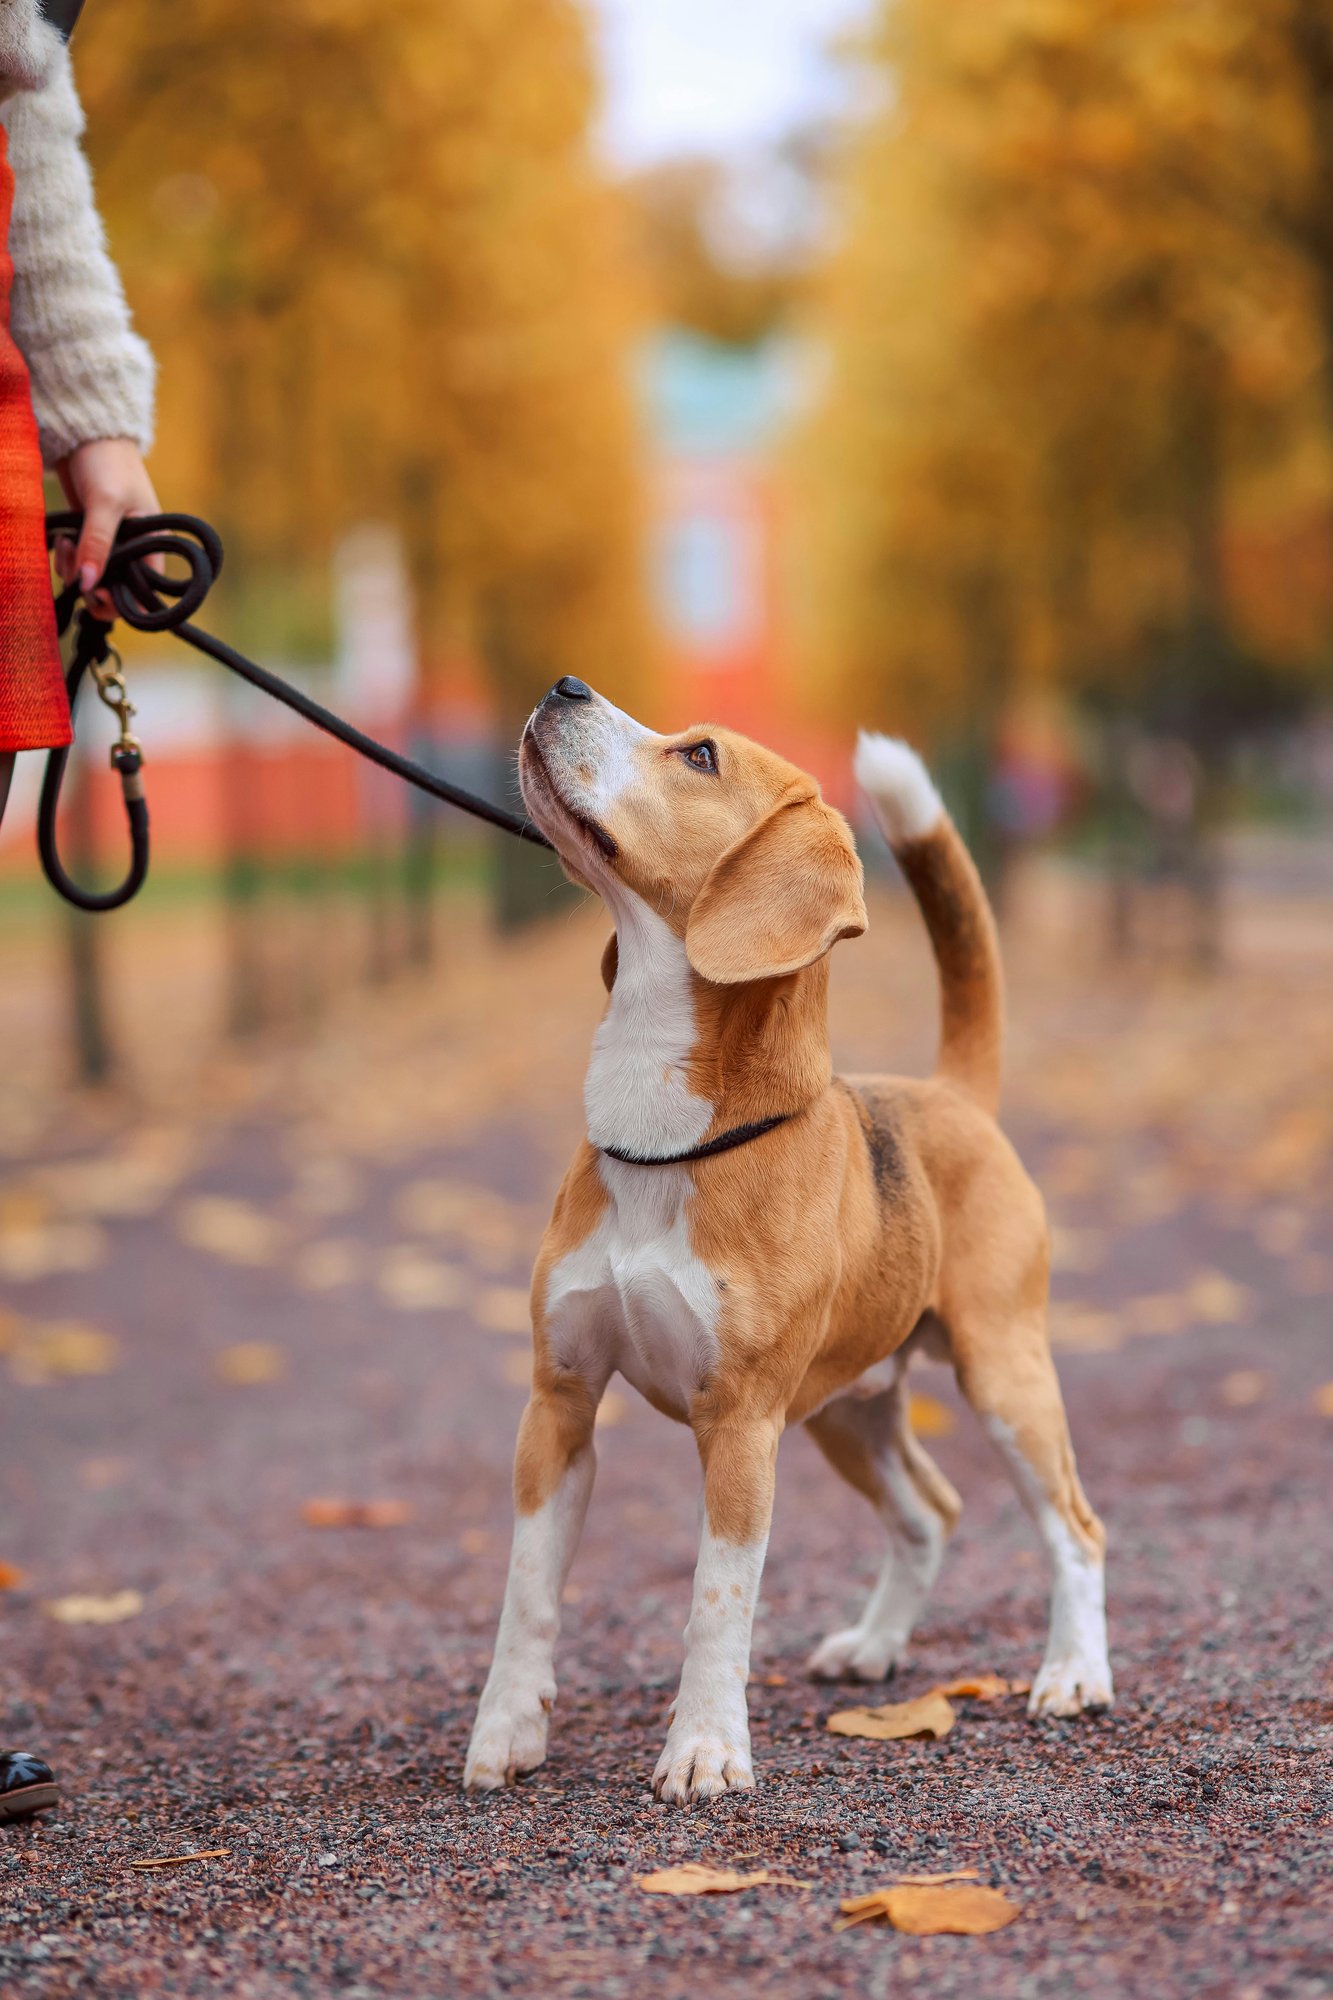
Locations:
(149, 599)
(93, 651)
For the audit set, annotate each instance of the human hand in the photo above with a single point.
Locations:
(108, 480)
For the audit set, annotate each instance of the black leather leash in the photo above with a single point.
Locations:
(149, 601)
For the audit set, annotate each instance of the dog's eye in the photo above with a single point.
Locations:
(703, 756)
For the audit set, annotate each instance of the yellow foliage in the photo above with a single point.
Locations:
(383, 279)
(1084, 297)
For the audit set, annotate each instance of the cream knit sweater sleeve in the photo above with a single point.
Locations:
(92, 376)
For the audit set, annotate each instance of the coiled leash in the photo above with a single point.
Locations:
(150, 601)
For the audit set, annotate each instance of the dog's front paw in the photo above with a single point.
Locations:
(1070, 1684)
(702, 1759)
(508, 1739)
(855, 1655)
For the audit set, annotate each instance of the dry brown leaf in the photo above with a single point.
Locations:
(100, 1474)
(929, 1418)
(696, 1878)
(322, 1266)
(925, 1909)
(1078, 1249)
(175, 1860)
(1216, 1299)
(249, 1363)
(504, 1309)
(40, 1249)
(417, 1283)
(12, 1577)
(942, 1875)
(981, 1687)
(330, 1513)
(65, 1348)
(1083, 1328)
(1323, 1400)
(83, 1609)
(928, 1715)
(227, 1228)
(1157, 1312)
(1244, 1387)
(516, 1367)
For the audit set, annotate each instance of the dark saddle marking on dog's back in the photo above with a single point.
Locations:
(877, 1114)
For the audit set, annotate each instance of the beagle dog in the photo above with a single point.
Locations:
(753, 1241)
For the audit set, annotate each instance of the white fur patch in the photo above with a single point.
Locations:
(637, 1096)
(509, 1735)
(1076, 1672)
(899, 787)
(708, 1744)
(634, 1296)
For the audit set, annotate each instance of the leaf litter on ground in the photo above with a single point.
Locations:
(930, 1714)
(932, 1908)
(698, 1878)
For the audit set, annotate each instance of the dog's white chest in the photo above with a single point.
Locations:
(634, 1296)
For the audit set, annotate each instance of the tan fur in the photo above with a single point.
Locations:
(885, 1208)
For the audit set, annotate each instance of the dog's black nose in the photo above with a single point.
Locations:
(571, 689)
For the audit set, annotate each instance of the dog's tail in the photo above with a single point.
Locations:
(944, 880)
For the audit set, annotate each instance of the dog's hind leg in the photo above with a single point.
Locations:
(870, 1441)
(1006, 1372)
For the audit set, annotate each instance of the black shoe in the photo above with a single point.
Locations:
(27, 1785)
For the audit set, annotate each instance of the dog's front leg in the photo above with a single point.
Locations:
(708, 1745)
(553, 1474)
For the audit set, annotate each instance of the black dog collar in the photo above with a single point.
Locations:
(739, 1135)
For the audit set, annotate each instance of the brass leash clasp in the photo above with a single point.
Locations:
(109, 674)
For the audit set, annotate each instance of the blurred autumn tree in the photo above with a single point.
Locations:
(1081, 334)
(382, 276)
(726, 252)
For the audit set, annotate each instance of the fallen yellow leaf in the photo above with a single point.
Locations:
(942, 1875)
(40, 1249)
(516, 1367)
(88, 1610)
(610, 1411)
(1157, 1312)
(929, 1418)
(1244, 1386)
(321, 1266)
(328, 1513)
(65, 1348)
(504, 1309)
(1217, 1299)
(928, 1715)
(175, 1860)
(925, 1909)
(696, 1878)
(249, 1363)
(417, 1283)
(227, 1228)
(11, 1577)
(981, 1687)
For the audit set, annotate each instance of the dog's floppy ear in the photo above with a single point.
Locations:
(779, 898)
(610, 961)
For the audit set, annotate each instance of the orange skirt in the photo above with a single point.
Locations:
(34, 714)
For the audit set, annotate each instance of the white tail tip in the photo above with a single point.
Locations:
(899, 786)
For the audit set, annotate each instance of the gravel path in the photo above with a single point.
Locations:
(285, 1319)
